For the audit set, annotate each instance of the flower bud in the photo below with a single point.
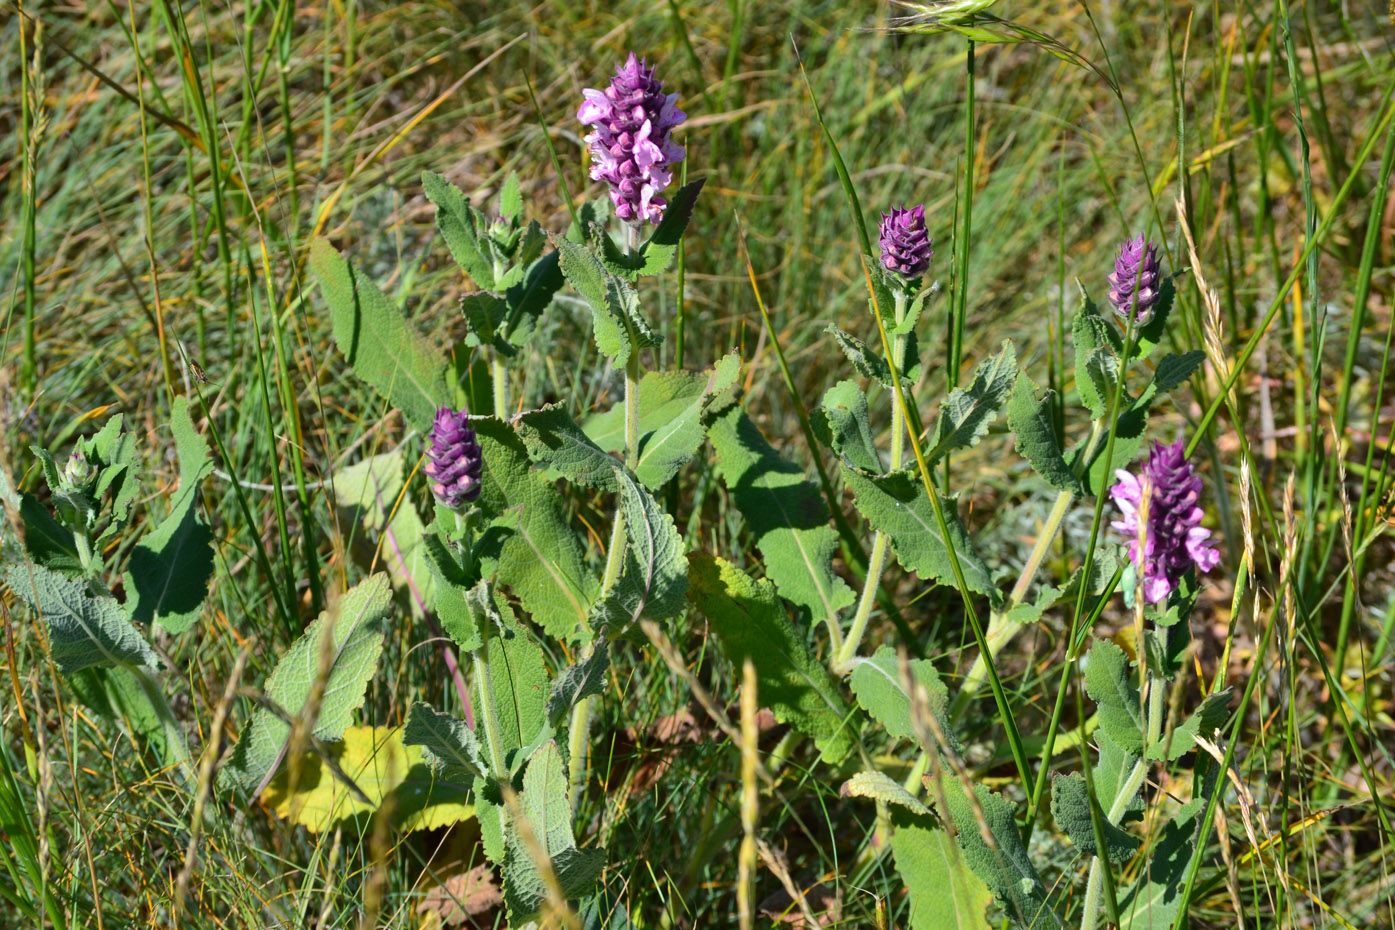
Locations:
(79, 472)
(455, 462)
(1134, 285)
(905, 243)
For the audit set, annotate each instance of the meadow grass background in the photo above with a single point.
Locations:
(165, 166)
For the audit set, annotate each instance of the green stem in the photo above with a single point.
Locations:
(501, 388)
(844, 655)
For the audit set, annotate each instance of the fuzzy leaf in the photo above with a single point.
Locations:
(1128, 440)
(1173, 371)
(1213, 713)
(528, 299)
(1109, 685)
(966, 413)
(618, 326)
(484, 313)
(868, 363)
(556, 443)
(880, 786)
(46, 540)
(896, 504)
(1152, 902)
(378, 340)
(383, 770)
(543, 804)
(1092, 333)
(1152, 334)
(1001, 860)
(459, 615)
(518, 675)
(1070, 806)
(945, 893)
(461, 226)
(1030, 421)
(171, 565)
(656, 255)
(671, 406)
(849, 429)
(785, 513)
(752, 624)
(349, 635)
(577, 682)
(877, 684)
(448, 743)
(654, 581)
(83, 631)
(539, 556)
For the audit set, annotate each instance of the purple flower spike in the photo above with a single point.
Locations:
(630, 145)
(1136, 267)
(905, 242)
(455, 461)
(1175, 538)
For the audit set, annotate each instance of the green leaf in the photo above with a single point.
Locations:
(171, 565)
(1128, 440)
(657, 254)
(484, 313)
(544, 806)
(785, 513)
(1030, 421)
(945, 894)
(618, 326)
(345, 641)
(511, 198)
(462, 227)
(518, 677)
(528, 299)
(1092, 333)
(113, 451)
(1173, 372)
(869, 364)
(880, 786)
(539, 556)
(459, 615)
(555, 442)
(1111, 772)
(1152, 902)
(966, 412)
(378, 341)
(878, 684)
(47, 541)
(576, 683)
(654, 581)
(1001, 859)
(896, 504)
(751, 624)
(83, 631)
(848, 427)
(1213, 713)
(449, 743)
(671, 407)
(1109, 684)
(1070, 806)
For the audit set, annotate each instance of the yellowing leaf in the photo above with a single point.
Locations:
(382, 768)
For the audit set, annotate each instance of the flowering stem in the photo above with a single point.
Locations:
(501, 388)
(881, 541)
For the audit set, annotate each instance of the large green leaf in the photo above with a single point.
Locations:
(517, 676)
(378, 341)
(1213, 713)
(343, 645)
(785, 513)
(671, 407)
(461, 226)
(967, 412)
(1000, 859)
(897, 505)
(171, 565)
(751, 623)
(1152, 902)
(392, 531)
(1070, 806)
(556, 443)
(1030, 421)
(537, 553)
(619, 327)
(449, 743)
(1095, 339)
(945, 893)
(1109, 684)
(576, 683)
(654, 581)
(528, 299)
(83, 631)
(1173, 371)
(844, 421)
(878, 684)
(548, 815)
